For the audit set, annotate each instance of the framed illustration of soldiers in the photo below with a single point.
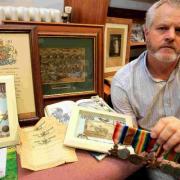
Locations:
(71, 57)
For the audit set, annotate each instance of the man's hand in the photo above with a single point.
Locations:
(167, 132)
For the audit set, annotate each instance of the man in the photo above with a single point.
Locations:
(148, 88)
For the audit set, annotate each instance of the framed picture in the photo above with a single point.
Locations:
(19, 57)
(137, 34)
(8, 112)
(116, 43)
(71, 57)
(92, 129)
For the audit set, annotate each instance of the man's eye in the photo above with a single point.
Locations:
(178, 31)
(162, 28)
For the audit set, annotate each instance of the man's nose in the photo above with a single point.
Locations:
(170, 34)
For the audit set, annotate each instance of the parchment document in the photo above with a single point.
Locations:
(15, 59)
(42, 145)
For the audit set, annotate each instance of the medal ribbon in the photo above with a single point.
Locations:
(140, 140)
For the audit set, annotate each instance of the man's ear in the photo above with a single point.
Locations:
(146, 32)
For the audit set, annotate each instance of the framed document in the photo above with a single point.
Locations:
(117, 44)
(8, 112)
(71, 57)
(67, 64)
(93, 129)
(19, 57)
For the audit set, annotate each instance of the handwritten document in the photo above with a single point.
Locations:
(42, 145)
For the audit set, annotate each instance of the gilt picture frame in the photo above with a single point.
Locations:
(93, 129)
(8, 112)
(19, 57)
(116, 44)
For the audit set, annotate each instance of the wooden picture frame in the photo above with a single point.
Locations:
(73, 47)
(92, 129)
(8, 112)
(116, 44)
(19, 48)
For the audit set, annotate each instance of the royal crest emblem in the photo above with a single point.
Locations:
(8, 53)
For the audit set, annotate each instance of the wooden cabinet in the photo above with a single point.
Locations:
(88, 11)
(136, 48)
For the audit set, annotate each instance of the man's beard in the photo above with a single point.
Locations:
(166, 58)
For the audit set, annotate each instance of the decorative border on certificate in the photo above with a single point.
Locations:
(8, 112)
(19, 57)
(92, 129)
(116, 44)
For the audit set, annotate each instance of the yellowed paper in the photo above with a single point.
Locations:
(16, 60)
(42, 145)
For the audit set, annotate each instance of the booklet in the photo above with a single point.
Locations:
(62, 110)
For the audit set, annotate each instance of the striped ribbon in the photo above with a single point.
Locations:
(140, 140)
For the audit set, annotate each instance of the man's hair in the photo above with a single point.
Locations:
(151, 11)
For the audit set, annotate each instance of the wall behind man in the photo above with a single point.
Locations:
(132, 4)
(55, 4)
(59, 4)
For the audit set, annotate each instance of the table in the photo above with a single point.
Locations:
(86, 168)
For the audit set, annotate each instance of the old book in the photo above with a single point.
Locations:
(62, 110)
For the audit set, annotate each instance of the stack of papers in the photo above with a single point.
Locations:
(42, 145)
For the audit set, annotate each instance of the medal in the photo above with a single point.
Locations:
(147, 151)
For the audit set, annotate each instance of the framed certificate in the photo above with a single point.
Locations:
(19, 57)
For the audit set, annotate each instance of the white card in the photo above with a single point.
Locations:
(3, 157)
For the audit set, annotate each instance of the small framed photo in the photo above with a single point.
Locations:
(137, 34)
(117, 44)
(8, 112)
(92, 129)
(19, 57)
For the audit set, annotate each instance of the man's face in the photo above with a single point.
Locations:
(163, 37)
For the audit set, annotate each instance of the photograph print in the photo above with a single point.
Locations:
(115, 45)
